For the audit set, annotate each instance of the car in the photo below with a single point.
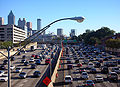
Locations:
(104, 69)
(69, 66)
(76, 60)
(68, 79)
(33, 66)
(12, 58)
(37, 57)
(97, 64)
(38, 61)
(26, 63)
(1, 73)
(2, 67)
(79, 64)
(93, 70)
(82, 70)
(3, 78)
(12, 67)
(99, 78)
(18, 69)
(19, 53)
(90, 65)
(85, 61)
(5, 62)
(89, 83)
(47, 61)
(36, 74)
(23, 60)
(112, 76)
(84, 75)
(69, 61)
(116, 69)
(32, 60)
(23, 75)
(33, 55)
(23, 56)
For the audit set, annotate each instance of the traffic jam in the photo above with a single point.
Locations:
(26, 67)
(88, 66)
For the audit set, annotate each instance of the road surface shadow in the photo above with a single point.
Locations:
(62, 69)
(59, 83)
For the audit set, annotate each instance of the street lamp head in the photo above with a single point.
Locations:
(78, 19)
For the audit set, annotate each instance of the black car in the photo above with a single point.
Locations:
(2, 67)
(5, 62)
(112, 76)
(93, 70)
(26, 63)
(104, 69)
(36, 74)
(33, 66)
(12, 58)
(98, 64)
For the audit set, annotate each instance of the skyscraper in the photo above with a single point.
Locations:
(60, 32)
(11, 18)
(29, 29)
(72, 32)
(22, 23)
(1, 21)
(38, 24)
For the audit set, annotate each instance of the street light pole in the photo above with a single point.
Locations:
(9, 71)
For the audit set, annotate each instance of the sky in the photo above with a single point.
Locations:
(97, 13)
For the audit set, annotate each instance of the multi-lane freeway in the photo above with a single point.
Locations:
(75, 71)
(30, 80)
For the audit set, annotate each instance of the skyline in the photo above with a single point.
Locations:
(103, 13)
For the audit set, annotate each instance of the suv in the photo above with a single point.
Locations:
(116, 69)
(69, 66)
(112, 76)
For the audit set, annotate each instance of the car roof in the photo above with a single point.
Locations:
(68, 76)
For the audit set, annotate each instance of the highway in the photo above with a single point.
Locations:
(76, 75)
(29, 81)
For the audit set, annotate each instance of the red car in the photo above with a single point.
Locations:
(79, 65)
(33, 55)
(47, 61)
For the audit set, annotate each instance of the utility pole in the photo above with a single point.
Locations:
(9, 71)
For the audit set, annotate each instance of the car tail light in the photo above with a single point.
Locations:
(93, 84)
(86, 84)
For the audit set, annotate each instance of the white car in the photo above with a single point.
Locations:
(99, 78)
(68, 79)
(90, 65)
(18, 69)
(4, 78)
(84, 75)
(32, 60)
(12, 67)
(1, 73)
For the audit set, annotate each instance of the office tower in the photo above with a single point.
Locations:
(29, 29)
(60, 32)
(38, 24)
(22, 23)
(1, 21)
(11, 18)
(72, 32)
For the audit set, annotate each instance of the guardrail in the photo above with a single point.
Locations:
(47, 70)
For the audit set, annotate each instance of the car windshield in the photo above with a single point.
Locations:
(89, 82)
(116, 68)
(67, 78)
